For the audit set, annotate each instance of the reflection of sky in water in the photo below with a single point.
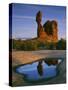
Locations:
(32, 73)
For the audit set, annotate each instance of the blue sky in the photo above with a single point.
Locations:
(24, 19)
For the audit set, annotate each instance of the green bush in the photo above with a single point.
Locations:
(29, 45)
(61, 45)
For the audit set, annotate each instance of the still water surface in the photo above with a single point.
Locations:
(39, 70)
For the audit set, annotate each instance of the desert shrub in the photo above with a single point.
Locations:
(41, 45)
(29, 45)
(61, 45)
(15, 44)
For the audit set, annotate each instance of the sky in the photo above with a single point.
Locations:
(24, 19)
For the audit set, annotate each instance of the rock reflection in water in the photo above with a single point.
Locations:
(51, 62)
(48, 62)
(40, 68)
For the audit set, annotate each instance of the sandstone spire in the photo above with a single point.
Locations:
(49, 31)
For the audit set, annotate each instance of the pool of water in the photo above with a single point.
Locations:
(40, 70)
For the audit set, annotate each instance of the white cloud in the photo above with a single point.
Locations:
(24, 17)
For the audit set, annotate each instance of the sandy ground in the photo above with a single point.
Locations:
(24, 57)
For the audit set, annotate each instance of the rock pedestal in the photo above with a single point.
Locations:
(48, 32)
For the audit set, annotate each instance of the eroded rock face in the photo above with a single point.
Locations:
(49, 31)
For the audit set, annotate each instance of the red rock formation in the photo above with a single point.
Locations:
(48, 32)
